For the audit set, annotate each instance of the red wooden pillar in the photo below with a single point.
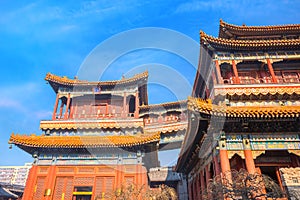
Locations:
(248, 157)
(55, 107)
(279, 178)
(207, 177)
(224, 160)
(271, 70)
(237, 78)
(137, 104)
(197, 191)
(67, 107)
(207, 174)
(193, 189)
(61, 109)
(190, 190)
(30, 183)
(202, 181)
(49, 182)
(199, 185)
(216, 165)
(160, 119)
(72, 110)
(124, 105)
(118, 172)
(219, 76)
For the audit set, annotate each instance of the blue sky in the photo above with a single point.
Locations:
(37, 37)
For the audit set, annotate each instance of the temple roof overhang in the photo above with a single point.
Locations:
(91, 124)
(274, 111)
(222, 44)
(42, 141)
(227, 30)
(56, 81)
(257, 89)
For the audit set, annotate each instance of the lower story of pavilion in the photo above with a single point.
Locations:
(278, 158)
(82, 182)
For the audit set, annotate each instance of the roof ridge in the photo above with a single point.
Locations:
(65, 80)
(226, 24)
(221, 43)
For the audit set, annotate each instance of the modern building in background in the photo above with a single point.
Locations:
(244, 112)
(102, 135)
(14, 175)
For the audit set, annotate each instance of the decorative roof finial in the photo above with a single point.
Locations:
(221, 21)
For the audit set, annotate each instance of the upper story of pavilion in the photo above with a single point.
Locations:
(247, 57)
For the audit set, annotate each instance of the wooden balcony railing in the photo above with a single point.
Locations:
(265, 80)
(97, 116)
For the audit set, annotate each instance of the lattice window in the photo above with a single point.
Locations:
(109, 184)
(39, 191)
(43, 169)
(69, 188)
(104, 184)
(86, 170)
(129, 180)
(63, 188)
(99, 188)
(59, 187)
(105, 170)
(84, 181)
(66, 170)
(130, 168)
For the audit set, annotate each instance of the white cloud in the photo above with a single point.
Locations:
(10, 103)
(14, 96)
(42, 114)
(203, 5)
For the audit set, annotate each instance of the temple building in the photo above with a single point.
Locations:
(102, 135)
(244, 112)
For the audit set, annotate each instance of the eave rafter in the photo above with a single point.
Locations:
(206, 107)
(43, 141)
(246, 45)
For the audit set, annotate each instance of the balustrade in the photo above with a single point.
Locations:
(264, 80)
(166, 120)
(96, 116)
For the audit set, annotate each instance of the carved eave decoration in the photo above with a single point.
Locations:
(73, 82)
(105, 124)
(206, 107)
(222, 44)
(167, 129)
(264, 90)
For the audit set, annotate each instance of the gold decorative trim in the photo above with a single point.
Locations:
(83, 141)
(70, 82)
(296, 152)
(264, 90)
(255, 154)
(222, 43)
(275, 111)
(56, 125)
(232, 153)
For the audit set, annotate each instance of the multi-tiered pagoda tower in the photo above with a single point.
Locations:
(245, 108)
(102, 135)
